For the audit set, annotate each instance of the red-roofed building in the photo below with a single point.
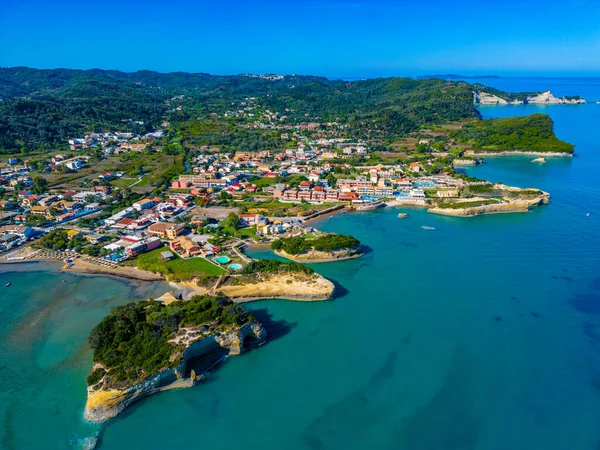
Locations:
(304, 185)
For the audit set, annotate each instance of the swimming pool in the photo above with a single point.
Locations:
(235, 266)
(221, 259)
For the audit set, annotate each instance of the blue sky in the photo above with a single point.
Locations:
(351, 38)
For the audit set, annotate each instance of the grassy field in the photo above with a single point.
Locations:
(152, 165)
(461, 205)
(177, 269)
(122, 183)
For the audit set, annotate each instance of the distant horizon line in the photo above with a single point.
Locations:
(439, 74)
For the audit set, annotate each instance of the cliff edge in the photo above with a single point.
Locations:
(542, 98)
(315, 256)
(147, 347)
(515, 205)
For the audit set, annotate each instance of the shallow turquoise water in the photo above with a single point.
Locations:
(45, 318)
(483, 334)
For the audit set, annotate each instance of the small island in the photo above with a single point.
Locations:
(146, 347)
(323, 248)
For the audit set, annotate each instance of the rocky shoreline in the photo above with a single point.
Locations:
(542, 98)
(518, 153)
(281, 286)
(314, 257)
(513, 206)
(103, 404)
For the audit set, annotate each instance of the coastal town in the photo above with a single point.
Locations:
(300, 225)
(191, 201)
(221, 201)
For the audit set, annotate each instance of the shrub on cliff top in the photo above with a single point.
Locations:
(325, 243)
(272, 266)
(95, 376)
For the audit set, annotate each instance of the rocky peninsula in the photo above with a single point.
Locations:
(143, 348)
(515, 203)
(264, 279)
(314, 256)
(540, 98)
(529, 135)
(316, 249)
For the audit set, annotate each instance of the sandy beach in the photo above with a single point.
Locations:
(132, 273)
(28, 255)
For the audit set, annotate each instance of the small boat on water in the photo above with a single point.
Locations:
(7, 284)
(427, 228)
(402, 216)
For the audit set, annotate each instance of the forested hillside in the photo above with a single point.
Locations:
(529, 133)
(42, 108)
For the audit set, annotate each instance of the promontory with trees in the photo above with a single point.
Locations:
(145, 347)
(513, 134)
(323, 248)
(267, 279)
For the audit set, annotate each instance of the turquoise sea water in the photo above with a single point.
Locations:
(45, 318)
(481, 334)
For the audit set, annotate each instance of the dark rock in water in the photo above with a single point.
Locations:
(586, 303)
(536, 315)
(406, 339)
(590, 331)
(498, 319)
(89, 443)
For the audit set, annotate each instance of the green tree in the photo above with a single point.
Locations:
(233, 221)
(55, 240)
(332, 180)
(40, 185)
